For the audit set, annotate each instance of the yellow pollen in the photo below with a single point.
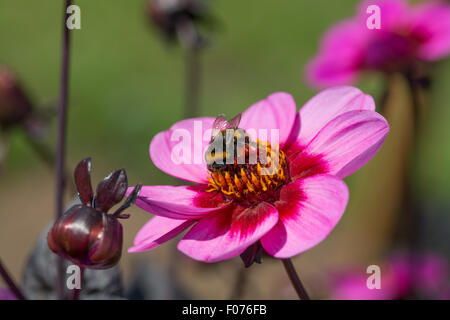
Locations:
(258, 167)
(264, 187)
(237, 182)
(255, 181)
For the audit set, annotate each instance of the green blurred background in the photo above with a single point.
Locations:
(126, 85)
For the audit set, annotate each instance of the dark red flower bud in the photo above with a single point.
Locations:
(87, 237)
(86, 234)
(14, 103)
(169, 16)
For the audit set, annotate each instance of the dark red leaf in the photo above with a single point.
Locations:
(130, 200)
(111, 190)
(82, 177)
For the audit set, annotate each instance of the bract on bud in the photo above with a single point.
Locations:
(252, 254)
(86, 234)
(14, 104)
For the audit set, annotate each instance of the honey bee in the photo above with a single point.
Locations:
(226, 136)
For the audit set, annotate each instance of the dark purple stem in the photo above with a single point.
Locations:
(47, 155)
(413, 216)
(192, 81)
(77, 292)
(191, 41)
(295, 280)
(240, 284)
(10, 282)
(61, 142)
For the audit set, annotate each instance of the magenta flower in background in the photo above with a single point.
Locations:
(6, 294)
(407, 34)
(402, 277)
(333, 135)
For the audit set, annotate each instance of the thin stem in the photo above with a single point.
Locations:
(47, 156)
(192, 81)
(414, 219)
(410, 207)
(61, 143)
(190, 40)
(415, 89)
(240, 284)
(295, 280)
(76, 292)
(10, 282)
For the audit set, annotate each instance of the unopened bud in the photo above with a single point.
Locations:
(171, 15)
(86, 234)
(14, 104)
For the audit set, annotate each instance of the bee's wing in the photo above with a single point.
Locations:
(219, 124)
(234, 123)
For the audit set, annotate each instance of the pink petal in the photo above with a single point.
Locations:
(157, 231)
(227, 234)
(352, 285)
(323, 71)
(340, 56)
(277, 111)
(182, 202)
(6, 294)
(292, 139)
(431, 25)
(394, 14)
(308, 209)
(426, 271)
(328, 104)
(165, 157)
(346, 143)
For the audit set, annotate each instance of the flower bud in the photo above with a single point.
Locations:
(87, 237)
(86, 234)
(14, 104)
(169, 15)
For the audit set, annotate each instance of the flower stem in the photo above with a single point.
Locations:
(415, 90)
(240, 284)
(191, 41)
(295, 280)
(10, 282)
(414, 218)
(61, 140)
(192, 81)
(47, 156)
(76, 292)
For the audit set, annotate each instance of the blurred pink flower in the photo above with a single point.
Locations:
(407, 34)
(402, 277)
(6, 294)
(333, 135)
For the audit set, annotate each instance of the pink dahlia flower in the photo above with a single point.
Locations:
(402, 277)
(406, 34)
(332, 136)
